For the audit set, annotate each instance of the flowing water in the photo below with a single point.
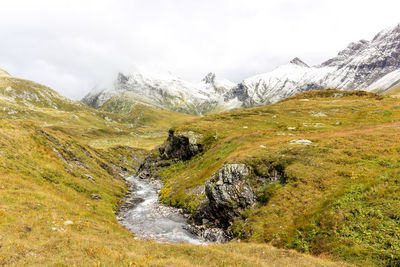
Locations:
(151, 220)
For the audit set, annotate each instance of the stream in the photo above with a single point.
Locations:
(149, 220)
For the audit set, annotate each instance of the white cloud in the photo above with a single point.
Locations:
(71, 45)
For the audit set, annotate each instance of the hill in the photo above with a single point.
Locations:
(317, 172)
(28, 101)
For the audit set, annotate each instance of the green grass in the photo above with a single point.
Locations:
(341, 190)
(61, 161)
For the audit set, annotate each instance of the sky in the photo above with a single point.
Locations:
(72, 45)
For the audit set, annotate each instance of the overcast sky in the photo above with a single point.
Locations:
(72, 45)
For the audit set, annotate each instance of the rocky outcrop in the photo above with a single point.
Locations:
(229, 193)
(225, 195)
(176, 147)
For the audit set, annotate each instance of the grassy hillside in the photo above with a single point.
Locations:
(341, 195)
(57, 207)
(150, 125)
(60, 185)
(142, 127)
(394, 91)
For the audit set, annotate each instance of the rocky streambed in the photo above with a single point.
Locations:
(147, 219)
(223, 198)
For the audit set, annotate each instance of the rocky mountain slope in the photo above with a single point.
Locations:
(363, 65)
(166, 91)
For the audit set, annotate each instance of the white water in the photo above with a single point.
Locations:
(151, 220)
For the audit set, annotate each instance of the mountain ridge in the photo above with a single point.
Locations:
(362, 65)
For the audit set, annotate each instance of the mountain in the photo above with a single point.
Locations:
(363, 65)
(31, 95)
(142, 127)
(165, 91)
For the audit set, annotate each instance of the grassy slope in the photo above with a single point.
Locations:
(26, 100)
(150, 125)
(341, 196)
(49, 175)
(394, 91)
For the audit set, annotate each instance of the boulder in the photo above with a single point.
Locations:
(229, 193)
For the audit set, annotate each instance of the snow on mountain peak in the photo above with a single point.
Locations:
(362, 65)
(164, 89)
(299, 62)
(359, 66)
(210, 78)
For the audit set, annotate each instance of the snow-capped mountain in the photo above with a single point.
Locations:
(364, 65)
(166, 91)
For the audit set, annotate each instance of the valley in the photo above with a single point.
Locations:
(62, 180)
(152, 170)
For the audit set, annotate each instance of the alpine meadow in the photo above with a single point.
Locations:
(258, 163)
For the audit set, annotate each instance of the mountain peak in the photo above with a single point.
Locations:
(395, 31)
(210, 78)
(299, 62)
(121, 78)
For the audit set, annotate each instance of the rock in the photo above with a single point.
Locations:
(304, 100)
(229, 193)
(194, 138)
(291, 128)
(300, 142)
(130, 203)
(90, 177)
(95, 196)
(216, 235)
(315, 124)
(336, 95)
(66, 223)
(262, 146)
(318, 114)
(178, 147)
